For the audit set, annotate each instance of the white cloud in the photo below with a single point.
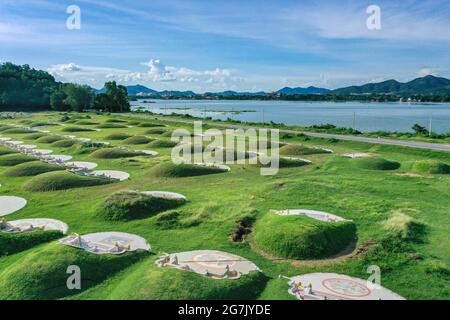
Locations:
(427, 72)
(156, 75)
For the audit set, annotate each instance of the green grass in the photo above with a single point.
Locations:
(110, 125)
(374, 163)
(86, 123)
(58, 180)
(117, 136)
(218, 201)
(162, 143)
(64, 143)
(4, 151)
(31, 169)
(34, 136)
(8, 160)
(149, 125)
(11, 243)
(49, 139)
(171, 170)
(113, 153)
(16, 131)
(115, 120)
(42, 274)
(136, 140)
(431, 167)
(156, 131)
(128, 205)
(76, 129)
(146, 281)
(298, 150)
(300, 237)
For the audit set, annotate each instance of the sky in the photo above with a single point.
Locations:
(246, 45)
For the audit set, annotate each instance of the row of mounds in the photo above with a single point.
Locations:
(130, 205)
(302, 237)
(419, 166)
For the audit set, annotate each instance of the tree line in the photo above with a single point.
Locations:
(27, 88)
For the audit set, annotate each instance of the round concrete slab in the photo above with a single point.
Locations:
(211, 263)
(11, 204)
(333, 286)
(59, 157)
(82, 165)
(107, 242)
(358, 155)
(42, 151)
(165, 195)
(15, 142)
(215, 165)
(120, 175)
(318, 215)
(25, 225)
(28, 146)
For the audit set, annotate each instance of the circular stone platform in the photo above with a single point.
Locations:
(332, 286)
(297, 159)
(42, 151)
(10, 204)
(318, 215)
(358, 155)
(165, 195)
(83, 139)
(120, 175)
(211, 263)
(107, 242)
(28, 225)
(81, 165)
(27, 146)
(148, 152)
(5, 139)
(59, 157)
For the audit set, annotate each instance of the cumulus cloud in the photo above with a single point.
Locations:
(157, 73)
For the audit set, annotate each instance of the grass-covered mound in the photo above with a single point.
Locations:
(113, 153)
(149, 282)
(16, 131)
(158, 130)
(4, 151)
(31, 169)
(111, 125)
(64, 143)
(290, 163)
(11, 243)
(298, 150)
(300, 237)
(137, 140)
(171, 170)
(115, 120)
(150, 125)
(41, 274)
(431, 167)
(62, 180)
(14, 159)
(76, 129)
(129, 205)
(117, 136)
(34, 136)
(404, 227)
(86, 123)
(49, 139)
(375, 163)
(162, 143)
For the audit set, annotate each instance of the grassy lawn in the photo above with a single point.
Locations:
(402, 219)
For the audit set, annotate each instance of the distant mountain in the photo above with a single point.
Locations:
(235, 93)
(424, 85)
(299, 90)
(140, 90)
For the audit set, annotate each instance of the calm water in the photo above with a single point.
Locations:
(368, 116)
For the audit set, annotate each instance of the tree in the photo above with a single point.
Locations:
(79, 97)
(115, 99)
(419, 129)
(57, 100)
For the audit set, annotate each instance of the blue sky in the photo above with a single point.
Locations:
(228, 45)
